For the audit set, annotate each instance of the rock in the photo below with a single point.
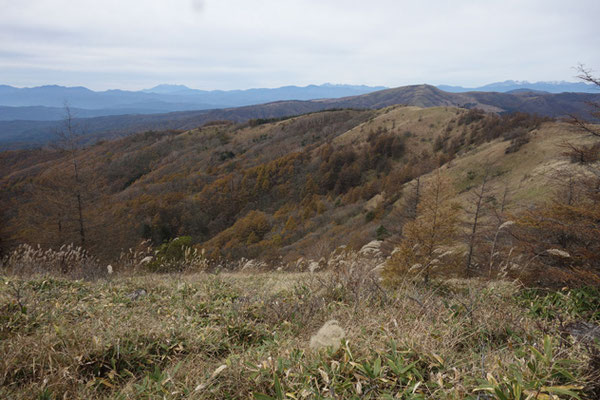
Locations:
(136, 294)
(583, 331)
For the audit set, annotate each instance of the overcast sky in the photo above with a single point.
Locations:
(238, 44)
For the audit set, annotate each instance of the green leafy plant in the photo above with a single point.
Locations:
(578, 303)
(539, 374)
(177, 255)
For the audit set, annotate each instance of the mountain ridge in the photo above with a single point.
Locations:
(166, 98)
(19, 134)
(511, 85)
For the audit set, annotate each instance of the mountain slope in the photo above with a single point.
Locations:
(416, 95)
(290, 188)
(18, 134)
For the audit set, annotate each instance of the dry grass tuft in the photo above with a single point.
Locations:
(330, 335)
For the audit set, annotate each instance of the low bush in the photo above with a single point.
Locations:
(518, 138)
(178, 255)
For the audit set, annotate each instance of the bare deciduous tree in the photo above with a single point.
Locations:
(69, 142)
(476, 212)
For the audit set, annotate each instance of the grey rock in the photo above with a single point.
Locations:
(583, 331)
(136, 294)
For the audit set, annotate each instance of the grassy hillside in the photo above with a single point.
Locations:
(299, 186)
(258, 336)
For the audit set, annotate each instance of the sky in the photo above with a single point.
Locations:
(240, 44)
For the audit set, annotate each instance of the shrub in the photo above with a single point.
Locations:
(174, 249)
(516, 144)
(578, 303)
(429, 239)
(382, 232)
(518, 138)
(560, 236)
(471, 116)
(177, 255)
(583, 154)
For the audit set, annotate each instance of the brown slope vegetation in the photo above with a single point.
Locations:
(167, 182)
(296, 187)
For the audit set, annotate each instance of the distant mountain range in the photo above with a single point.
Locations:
(511, 86)
(21, 134)
(44, 103)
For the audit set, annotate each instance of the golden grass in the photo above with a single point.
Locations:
(238, 335)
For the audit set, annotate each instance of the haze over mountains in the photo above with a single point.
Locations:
(510, 86)
(31, 133)
(45, 103)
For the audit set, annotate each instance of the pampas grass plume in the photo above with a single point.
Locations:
(330, 335)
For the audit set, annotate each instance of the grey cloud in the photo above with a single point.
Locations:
(198, 6)
(238, 43)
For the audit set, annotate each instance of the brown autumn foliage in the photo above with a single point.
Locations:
(268, 189)
(561, 237)
(561, 234)
(429, 242)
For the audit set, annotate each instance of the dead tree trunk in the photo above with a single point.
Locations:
(480, 196)
(68, 138)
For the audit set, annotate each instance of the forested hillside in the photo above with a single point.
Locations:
(291, 188)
